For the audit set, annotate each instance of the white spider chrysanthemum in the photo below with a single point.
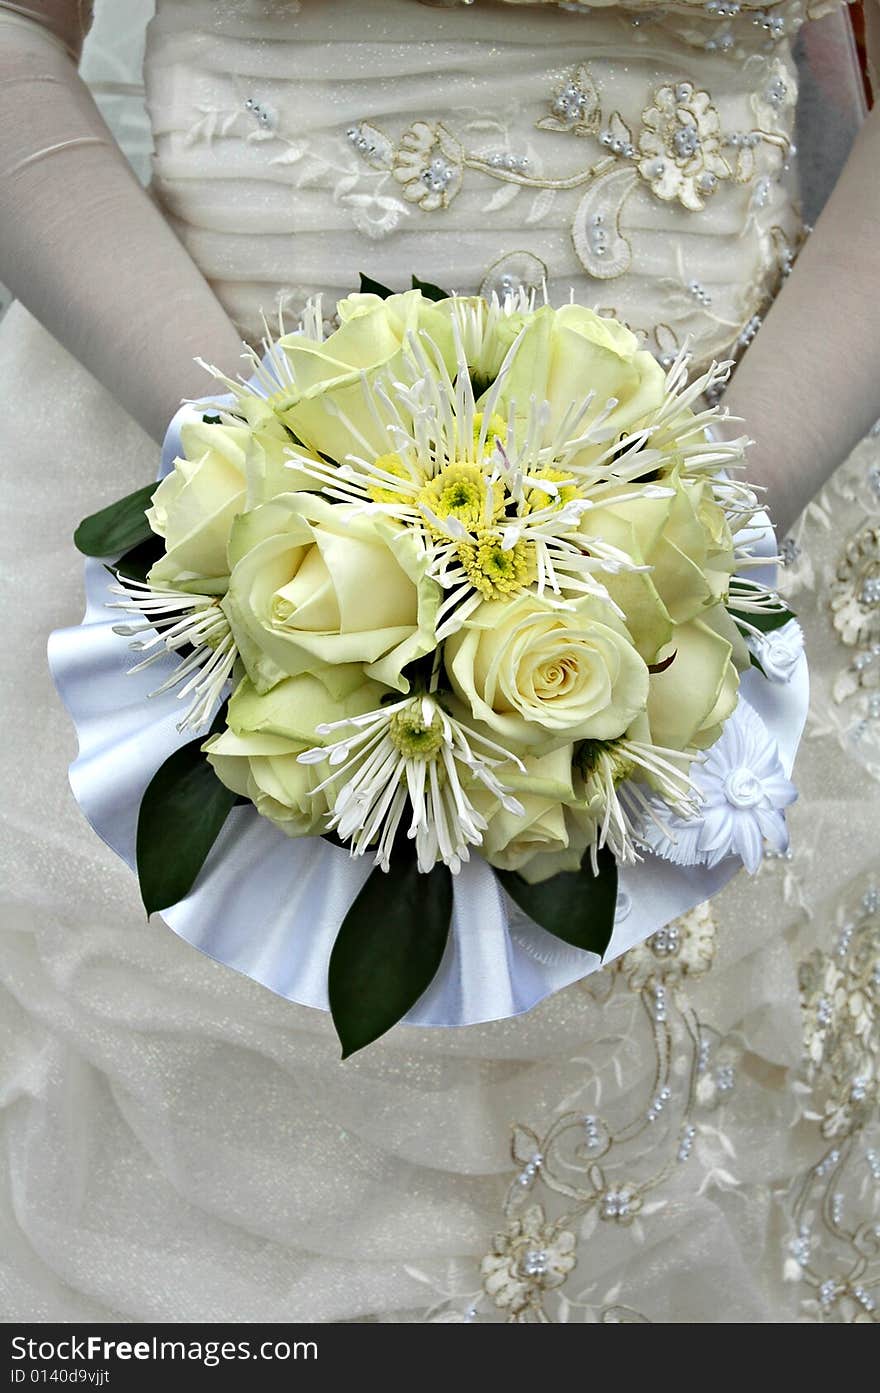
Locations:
(414, 753)
(497, 511)
(623, 806)
(180, 620)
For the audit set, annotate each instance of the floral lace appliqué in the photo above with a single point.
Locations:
(679, 152)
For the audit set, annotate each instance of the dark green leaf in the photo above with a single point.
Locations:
(212, 420)
(576, 906)
(765, 621)
(371, 287)
(138, 562)
(430, 292)
(388, 949)
(756, 662)
(181, 814)
(118, 528)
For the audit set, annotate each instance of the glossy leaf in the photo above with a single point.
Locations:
(371, 287)
(117, 528)
(181, 814)
(575, 906)
(769, 620)
(139, 561)
(430, 291)
(388, 949)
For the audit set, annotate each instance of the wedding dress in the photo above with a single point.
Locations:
(690, 1135)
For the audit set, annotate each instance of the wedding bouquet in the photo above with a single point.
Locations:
(454, 579)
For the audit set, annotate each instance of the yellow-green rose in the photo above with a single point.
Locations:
(194, 506)
(685, 540)
(316, 583)
(551, 833)
(689, 700)
(223, 470)
(569, 352)
(542, 677)
(327, 408)
(257, 756)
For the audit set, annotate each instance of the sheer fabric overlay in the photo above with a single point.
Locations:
(655, 1144)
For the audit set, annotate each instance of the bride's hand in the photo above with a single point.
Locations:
(81, 243)
(809, 386)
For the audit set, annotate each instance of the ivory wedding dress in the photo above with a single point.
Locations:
(652, 1144)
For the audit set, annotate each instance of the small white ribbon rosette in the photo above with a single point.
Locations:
(271, 907)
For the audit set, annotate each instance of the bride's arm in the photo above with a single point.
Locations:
(809, 386)
(81, 244)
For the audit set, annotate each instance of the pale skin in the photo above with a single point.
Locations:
(85, 248)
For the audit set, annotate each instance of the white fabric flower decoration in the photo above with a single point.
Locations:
(744, 790)
(779, 652)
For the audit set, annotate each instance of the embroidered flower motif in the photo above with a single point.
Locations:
(840, 996)
(620, 1204)
(854, 595)
(575, 105)
(684, 948)
(429, 163)
(371, 144)
(529, 1256)
(680, 145)
(375, 215)
(777, 93)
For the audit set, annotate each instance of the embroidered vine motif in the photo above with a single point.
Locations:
(680, 153)
(834, 1248)
(589, 1169)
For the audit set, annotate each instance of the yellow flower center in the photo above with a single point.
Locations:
(412, 736)
(589, 753)
(496, 430)
(537, 498)
(491, 570)
(391, 464)
(460, 491)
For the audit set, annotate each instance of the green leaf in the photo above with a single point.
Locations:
(181, 814)
(118, 528)
(756, 662)
(764, 621)
(371, 287)
(389, 948)
(139, 561)
(430, 292)
(575, 906)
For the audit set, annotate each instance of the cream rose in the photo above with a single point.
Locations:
(257, 756)
(689, 701)
(223, 470)
(194, 506)
(543, 677)
(685, 540)
(567, 353)
(550, 834)
(327, 408)
(316, 583)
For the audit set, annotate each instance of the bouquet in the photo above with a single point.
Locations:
(451, 580)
